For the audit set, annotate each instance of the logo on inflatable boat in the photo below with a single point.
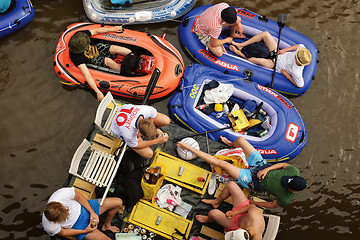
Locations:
(122, 38)
(266, 151)
(277, 96)
(245, 13)
(217, 61)
(292, 132)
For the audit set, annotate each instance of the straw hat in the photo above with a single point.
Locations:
(303, 56)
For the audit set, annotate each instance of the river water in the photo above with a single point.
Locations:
(43, 122)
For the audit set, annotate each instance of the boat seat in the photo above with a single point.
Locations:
(93, 166)
(106, 112)
(272, 226)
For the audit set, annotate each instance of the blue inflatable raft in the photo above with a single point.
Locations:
(137, 11)
(235, 65)
(286, 136)
(20, 13)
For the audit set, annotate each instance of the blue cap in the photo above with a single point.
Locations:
(295, 183)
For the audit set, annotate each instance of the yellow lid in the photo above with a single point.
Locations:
(218, 107)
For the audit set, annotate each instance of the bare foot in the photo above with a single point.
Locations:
(215, 203)
(226, 141)
(110, 228)
(236, 51)
(202, 218)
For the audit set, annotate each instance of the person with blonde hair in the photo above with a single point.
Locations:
(132, 123)
(68, 214)
(291, 61)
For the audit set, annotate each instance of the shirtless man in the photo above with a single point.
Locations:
(243, 216)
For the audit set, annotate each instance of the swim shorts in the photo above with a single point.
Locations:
(84, 219)
(245, 177)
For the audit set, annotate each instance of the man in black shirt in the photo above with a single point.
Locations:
(83, 51)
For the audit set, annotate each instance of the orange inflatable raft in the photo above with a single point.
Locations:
(166, 72)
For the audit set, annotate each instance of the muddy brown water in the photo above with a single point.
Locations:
(43, 122)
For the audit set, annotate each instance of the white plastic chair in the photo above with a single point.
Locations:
(108, 102)
(272, 226)
(99, 167)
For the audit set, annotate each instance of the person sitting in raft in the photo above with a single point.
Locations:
(210, 24)
(281, 180)
(4, 5)
(291, 60)
(244, 221)
(83, 51)
(68, 214)
(132, 122)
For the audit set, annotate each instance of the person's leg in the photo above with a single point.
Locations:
(112, 64)
(263, 36)
(237, 195)
(119, 50)
(116, 50)
(144, 152)
(268, 63)
(96, 235)
(236, 51)
(161, 120)
(215, 215)
(240, 142)
(230, 189)
(111, 206)
(217, 51)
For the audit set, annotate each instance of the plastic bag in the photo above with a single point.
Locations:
(235, 156)
(220, 94)
(152, 180)
(168, 197)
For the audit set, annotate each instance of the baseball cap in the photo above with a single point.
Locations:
(229, 15)
(239, 234)
(79, 42)
(295, 183)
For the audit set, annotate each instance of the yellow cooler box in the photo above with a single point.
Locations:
(160, 221)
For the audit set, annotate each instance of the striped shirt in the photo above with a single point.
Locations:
(209, 22)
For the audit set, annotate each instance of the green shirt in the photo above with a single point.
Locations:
(272, 185)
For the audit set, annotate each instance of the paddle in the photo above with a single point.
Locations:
(281, 21)
(201, 133)
(149, 89)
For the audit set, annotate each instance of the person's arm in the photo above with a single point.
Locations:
(82, 200)
(236, 30)
(206, 157)
(68, 232)
(262, 173)
(288, 76)
(264, 204)
(85, 71)
(214, 42)
(161, 138)
(105, 30)
(292, 48)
